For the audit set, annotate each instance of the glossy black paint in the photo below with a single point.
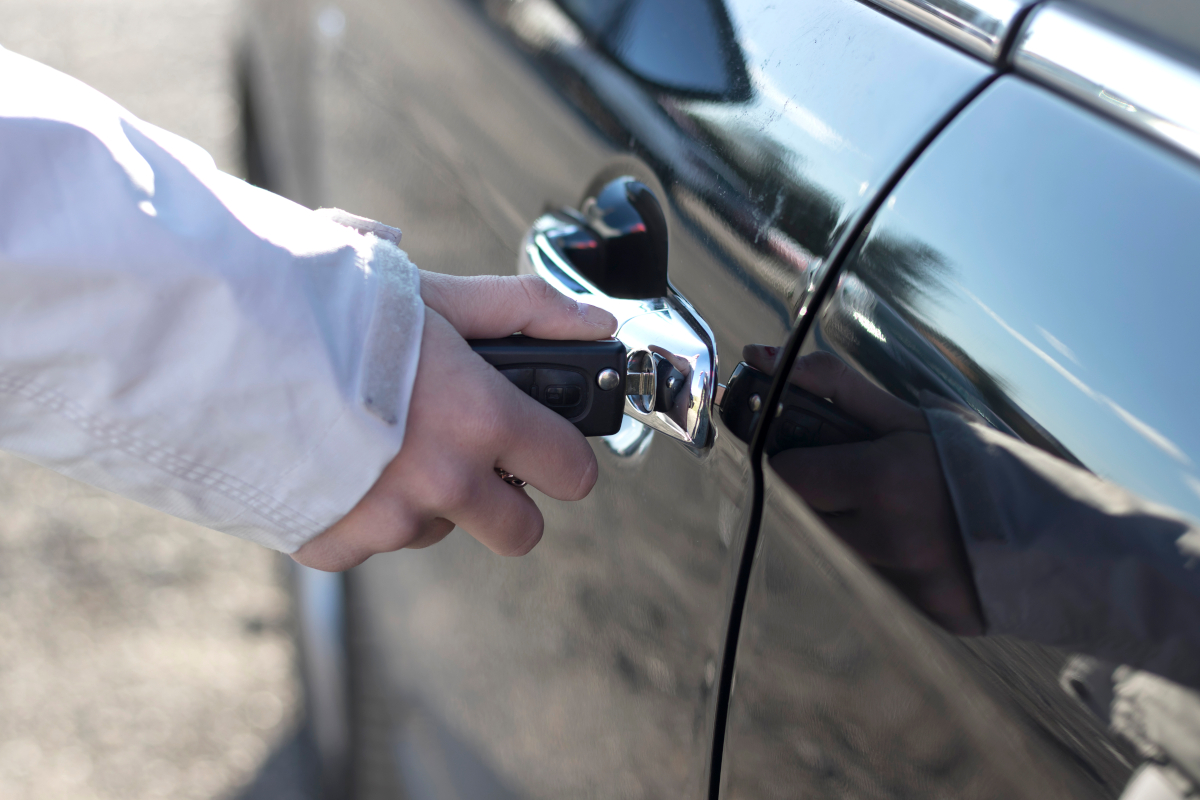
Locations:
(613, 632)
(592, 667)
(765, 132)
(998, 275)
(1076, 328)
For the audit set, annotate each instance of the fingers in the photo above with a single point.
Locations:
(547, 452)
(678, 362)
(464, 420)
(431, 498)
(434, 532)
(889, 494)
(826, 375)
(894, 507)
(760, 356)
(375, 525)
(887, 500)
(490, 306)
(466, 413)
(501, 517)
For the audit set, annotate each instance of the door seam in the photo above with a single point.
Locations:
(791, 349)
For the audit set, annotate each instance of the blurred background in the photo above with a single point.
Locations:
(140, 657)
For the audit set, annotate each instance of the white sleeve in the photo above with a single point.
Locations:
(175, 335)
(1065, 558)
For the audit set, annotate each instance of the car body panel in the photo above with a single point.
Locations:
(1036, 265)
(591, 667)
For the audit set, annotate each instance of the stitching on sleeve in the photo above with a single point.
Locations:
(126, 440)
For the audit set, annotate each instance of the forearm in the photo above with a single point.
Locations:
(175, 335)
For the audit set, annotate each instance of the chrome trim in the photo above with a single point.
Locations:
(682, 370)
(1083, 57)
(632, 440)
(977, 26)
(671, 375)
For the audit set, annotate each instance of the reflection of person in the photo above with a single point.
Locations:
(986, 533)
(677, 405)
(210, 349)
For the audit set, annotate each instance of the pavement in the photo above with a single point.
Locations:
(140, 656)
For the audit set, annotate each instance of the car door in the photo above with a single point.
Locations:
(598, 665)
(1035, 269)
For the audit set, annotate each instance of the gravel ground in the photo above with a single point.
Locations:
(140, 656)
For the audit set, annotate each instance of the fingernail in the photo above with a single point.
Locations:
(594, 315)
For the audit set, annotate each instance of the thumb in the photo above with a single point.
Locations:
(488, 306)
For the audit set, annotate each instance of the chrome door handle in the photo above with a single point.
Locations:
(672, 361)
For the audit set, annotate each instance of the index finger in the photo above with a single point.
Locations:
(487, 306)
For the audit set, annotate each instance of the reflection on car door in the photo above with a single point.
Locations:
(593, 666)
(1032, 276)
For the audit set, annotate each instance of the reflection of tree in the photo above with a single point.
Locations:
(904, 271)
(994, 392)
(904, 276)
(771, 179)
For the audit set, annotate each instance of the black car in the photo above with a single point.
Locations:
(978, 206)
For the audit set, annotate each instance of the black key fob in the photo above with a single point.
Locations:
(582, 381)
(801, 419)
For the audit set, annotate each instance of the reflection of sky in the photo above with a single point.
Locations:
(1076, 279)
(842, 89)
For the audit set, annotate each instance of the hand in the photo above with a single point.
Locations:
(887, 498)
(678, 409)
(464, 420)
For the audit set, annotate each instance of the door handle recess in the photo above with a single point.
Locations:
(671, 357)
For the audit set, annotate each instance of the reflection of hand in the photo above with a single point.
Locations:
(682, 398)
(885, 498)
(464, 420)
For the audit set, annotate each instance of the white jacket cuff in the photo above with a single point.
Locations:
(174, 335)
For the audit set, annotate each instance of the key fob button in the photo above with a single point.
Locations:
(564, 389)
(564, 397)
(575, 379)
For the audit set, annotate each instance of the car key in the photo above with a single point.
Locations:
(582, 381)
(802, 419)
